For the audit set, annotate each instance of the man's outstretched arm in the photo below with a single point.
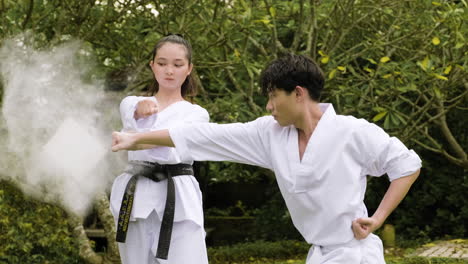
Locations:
(137, 141)
(236, 142)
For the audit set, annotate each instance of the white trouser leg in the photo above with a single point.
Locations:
(314, 255)
(137, 246)
(373, 250)
(366, 251)
(187, 244)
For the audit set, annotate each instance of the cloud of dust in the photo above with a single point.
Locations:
(53, 141)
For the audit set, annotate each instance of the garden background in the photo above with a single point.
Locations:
(399, 63)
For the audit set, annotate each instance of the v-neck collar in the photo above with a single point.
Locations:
(293, 142)
(313, 148)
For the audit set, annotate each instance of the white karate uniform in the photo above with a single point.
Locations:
(324, 191)
(150, 196)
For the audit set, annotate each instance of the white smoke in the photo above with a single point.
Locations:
(56, 146)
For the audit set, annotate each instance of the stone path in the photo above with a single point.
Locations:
(456, 248)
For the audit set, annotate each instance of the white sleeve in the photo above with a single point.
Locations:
(385, 154)
(198, 115)
(237, 142)
(127, 112)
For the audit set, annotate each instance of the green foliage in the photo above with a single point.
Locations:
(401, 64)
(404, 77)
(433, 208)
(258, 252)
(33, 232)
(273, 221)
(421, 260)
(227, 230)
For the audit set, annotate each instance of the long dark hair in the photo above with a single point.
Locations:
(189, 87)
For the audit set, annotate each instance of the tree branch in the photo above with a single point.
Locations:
(298, 33)
(312, 32)
(86, 250)
(447, 133)
(277, 45)
(28, 14)
(107, 220)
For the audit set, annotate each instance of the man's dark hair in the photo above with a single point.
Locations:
(290, 71)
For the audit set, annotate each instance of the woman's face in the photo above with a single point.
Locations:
(170, 66)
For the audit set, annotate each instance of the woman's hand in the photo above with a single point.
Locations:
(146, 108)
(123, 141)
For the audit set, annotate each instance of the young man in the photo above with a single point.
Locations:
(320, 159)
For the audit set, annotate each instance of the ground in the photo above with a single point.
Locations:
(439, 252)
(456, 248)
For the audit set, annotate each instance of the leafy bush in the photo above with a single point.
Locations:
(249, 252)
(273, 221)
(237, 223)
(33, 232)
(401, 64)
(434, 208)
(225, 230)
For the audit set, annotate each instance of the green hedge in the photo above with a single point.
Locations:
(293, 252)
(258, 250)
(33, 232)
(225, 230)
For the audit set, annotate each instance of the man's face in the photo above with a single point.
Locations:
(281, 105)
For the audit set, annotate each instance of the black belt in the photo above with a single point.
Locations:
(156, 172)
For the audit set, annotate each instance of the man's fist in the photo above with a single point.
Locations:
(123, 141)
(362, 227)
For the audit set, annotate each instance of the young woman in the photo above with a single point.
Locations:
(157, 202)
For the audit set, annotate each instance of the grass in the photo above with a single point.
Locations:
(295, 252)
(389, 260)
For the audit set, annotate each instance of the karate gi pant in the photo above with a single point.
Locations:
(365, 251)
(187, 243)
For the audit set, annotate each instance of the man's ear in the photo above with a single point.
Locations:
(301, 92)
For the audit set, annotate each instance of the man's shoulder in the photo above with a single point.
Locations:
(359, 127)
(351, 121)
(264, 122)
(266, 119)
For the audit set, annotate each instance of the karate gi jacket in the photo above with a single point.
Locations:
(150, 195)
(324, 191)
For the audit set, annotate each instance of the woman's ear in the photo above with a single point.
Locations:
(190, 69)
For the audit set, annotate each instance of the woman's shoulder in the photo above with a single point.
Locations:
(193, 106)
(188, 109)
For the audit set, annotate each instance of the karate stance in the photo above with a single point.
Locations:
(320, 159)
(156, 202)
